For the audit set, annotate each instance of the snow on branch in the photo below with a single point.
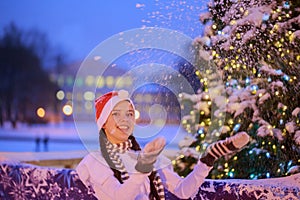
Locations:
(256, 15)
(264, 97)
(296, 111)
(290, 127)
(253, 16)
(205, 16)
(282, 26)
(297, 137)
(268, 70)
(277, 84)
(268, 130)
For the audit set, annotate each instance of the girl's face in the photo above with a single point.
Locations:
(120, 123)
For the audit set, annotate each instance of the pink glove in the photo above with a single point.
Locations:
(223, 147)
(147, 157)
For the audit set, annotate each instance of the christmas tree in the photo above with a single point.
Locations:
(255, 47)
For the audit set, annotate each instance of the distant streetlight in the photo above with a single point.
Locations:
(67, 110)
(89, 96)
(60, 95)
(40, 112)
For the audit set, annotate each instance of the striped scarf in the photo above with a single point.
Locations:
(114, 149)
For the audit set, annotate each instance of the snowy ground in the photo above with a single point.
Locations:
(69, 136)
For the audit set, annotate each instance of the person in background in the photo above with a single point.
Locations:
(122, 170)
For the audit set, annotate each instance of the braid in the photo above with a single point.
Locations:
(135, 144)
(102, 140)
(153, 193)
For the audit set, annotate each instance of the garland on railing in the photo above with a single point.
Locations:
(24, 181)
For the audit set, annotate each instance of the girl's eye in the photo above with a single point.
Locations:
(115, 114)
(130, 114)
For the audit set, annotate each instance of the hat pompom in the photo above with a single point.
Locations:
(123, 94)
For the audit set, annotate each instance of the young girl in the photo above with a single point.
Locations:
(121, 170)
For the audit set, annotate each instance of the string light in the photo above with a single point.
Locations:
(275, 46)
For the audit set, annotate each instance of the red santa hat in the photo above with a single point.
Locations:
(105, 104)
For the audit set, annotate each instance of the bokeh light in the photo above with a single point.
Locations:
(41, 112)
(137, 114)
(67, 110)
(60, 95)
(89, 96)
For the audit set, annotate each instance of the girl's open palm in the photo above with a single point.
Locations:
(155, 146)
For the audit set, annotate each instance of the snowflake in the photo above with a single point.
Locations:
(54, 189)
(5, 178)
(19, 191)
(36, 179)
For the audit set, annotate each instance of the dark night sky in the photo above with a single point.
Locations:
(75, 26)
(78, 26)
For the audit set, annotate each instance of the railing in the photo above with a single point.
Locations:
(66, 183)
(67, 159)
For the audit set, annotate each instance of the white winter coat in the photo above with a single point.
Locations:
(95, 172)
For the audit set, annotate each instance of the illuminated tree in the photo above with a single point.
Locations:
(255, 45)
